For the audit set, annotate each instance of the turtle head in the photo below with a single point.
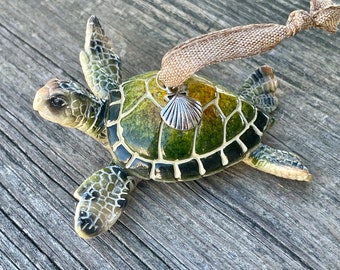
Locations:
(71, 105)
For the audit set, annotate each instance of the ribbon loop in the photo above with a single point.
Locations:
(243, 41)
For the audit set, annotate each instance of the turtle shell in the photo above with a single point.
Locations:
(150, 149)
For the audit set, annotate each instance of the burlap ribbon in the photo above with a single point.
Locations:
(243, 41)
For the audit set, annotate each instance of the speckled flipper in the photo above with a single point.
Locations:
(101, 66)
(277, 162)
(260, 89)
(102, 199)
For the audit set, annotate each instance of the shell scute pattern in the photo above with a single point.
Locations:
(176, 145)
(210, 132)
(134, 91)
(234, 126)
(201, 89)
(149, 149)
(141, 129)
(248, 111)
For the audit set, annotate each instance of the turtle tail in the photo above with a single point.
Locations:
(260, 88)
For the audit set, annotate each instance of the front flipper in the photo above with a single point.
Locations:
(102, 199)
(101, 66)
(277, 162)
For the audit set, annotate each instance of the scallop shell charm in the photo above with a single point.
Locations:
(182, 112)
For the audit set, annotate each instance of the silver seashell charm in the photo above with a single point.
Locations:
(182, 112)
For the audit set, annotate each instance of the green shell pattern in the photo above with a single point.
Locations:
(148, 148)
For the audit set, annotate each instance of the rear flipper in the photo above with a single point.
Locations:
(279, 163)
(259, 89)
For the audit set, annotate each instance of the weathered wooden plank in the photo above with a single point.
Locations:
(239, 218)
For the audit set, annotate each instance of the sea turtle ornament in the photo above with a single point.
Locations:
(207, 129)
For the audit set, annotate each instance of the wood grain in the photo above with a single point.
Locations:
(237, 219)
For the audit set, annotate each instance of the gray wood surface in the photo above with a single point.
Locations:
(238, 219)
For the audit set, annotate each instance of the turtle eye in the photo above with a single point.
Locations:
(58, 101)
